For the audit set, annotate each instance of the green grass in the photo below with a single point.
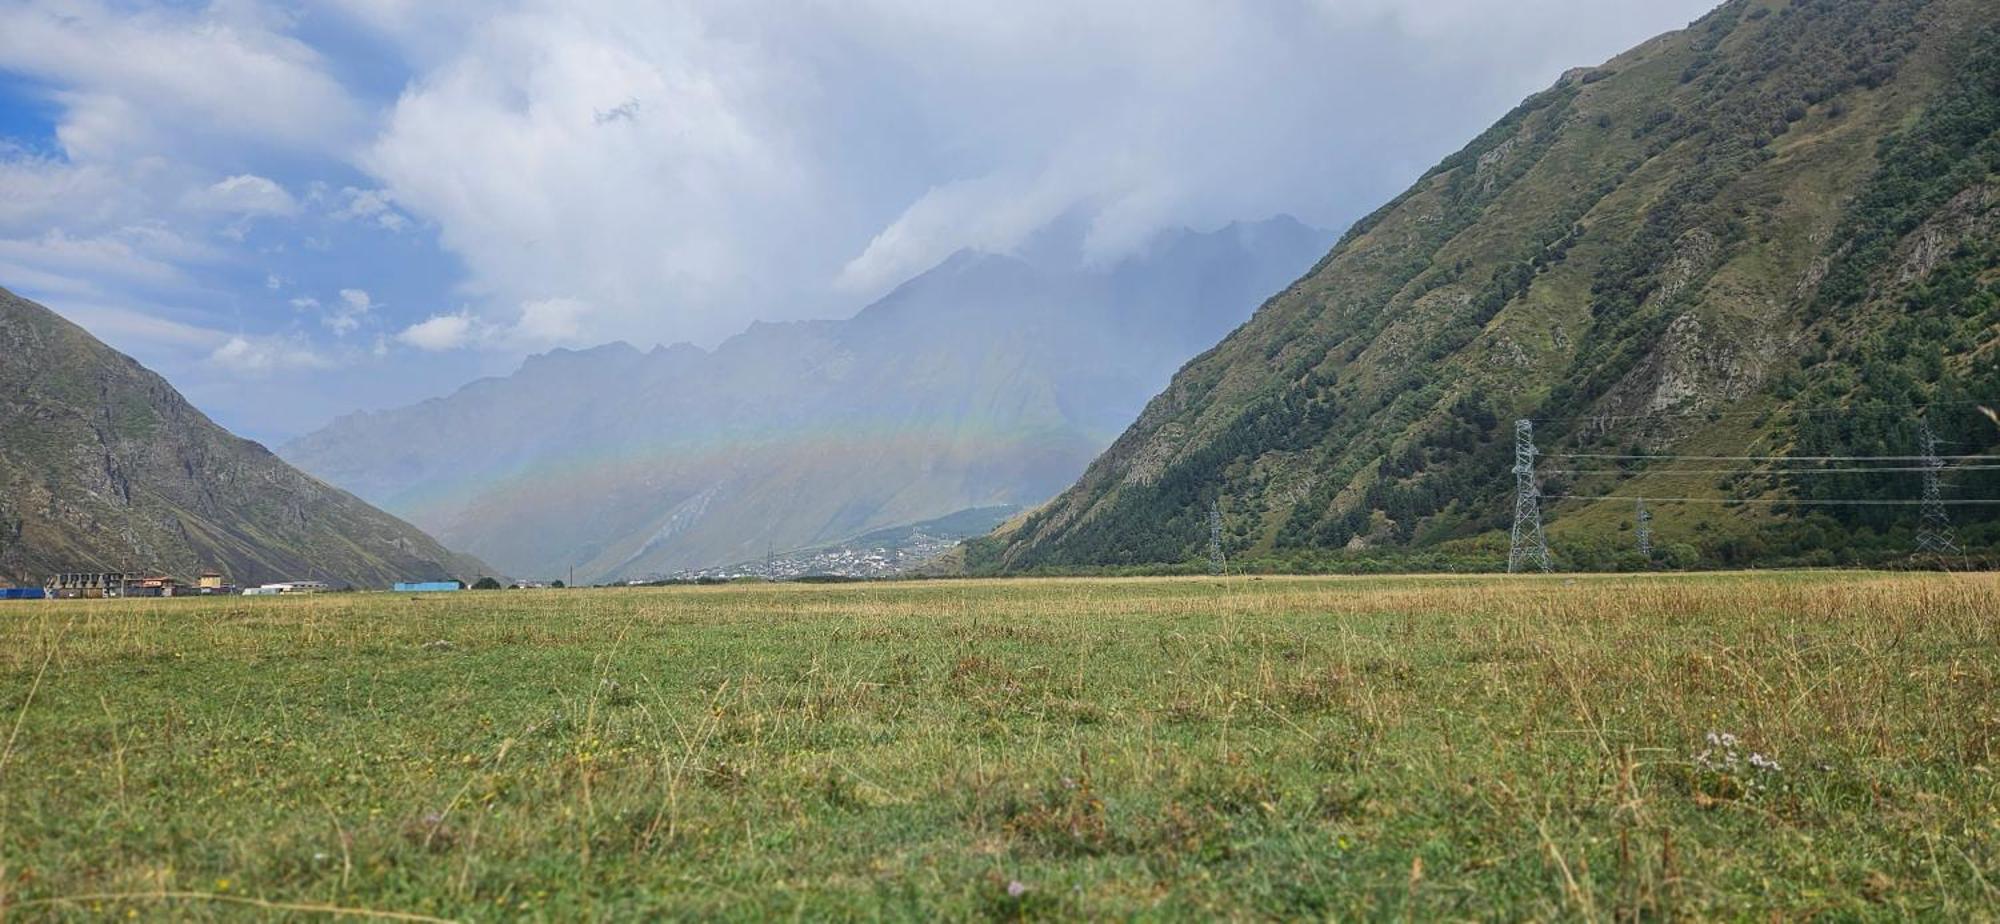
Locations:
(1422, 748)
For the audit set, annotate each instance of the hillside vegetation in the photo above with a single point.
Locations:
(1711, 747)
(1771, 235)
(104, 467)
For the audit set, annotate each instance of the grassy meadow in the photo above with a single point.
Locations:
(1602, 748)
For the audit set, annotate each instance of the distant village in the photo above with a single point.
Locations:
(840, 561)
(858, 561)
(95, 585)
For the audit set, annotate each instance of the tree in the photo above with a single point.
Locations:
(486, 583)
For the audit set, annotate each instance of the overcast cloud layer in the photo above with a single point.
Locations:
(296, 210)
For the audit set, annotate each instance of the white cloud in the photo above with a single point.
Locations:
(37, 191)
(439, 333)
(259, 356)
(541, 324)
(688, 166)
(373, 206)
(354, 306)
(135, 81)
(245, 194)
(126, 326)
(674, 170)
(548, 322)
(138, 254)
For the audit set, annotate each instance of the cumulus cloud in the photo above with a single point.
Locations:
(541, 324)
(687, 167)
(259, 356)
(245, 194)
(570, 171)
(439, 333)
(549, 322)
(347, 315)
(372, 206)
(134, 80)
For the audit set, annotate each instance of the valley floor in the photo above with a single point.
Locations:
(1733, 746)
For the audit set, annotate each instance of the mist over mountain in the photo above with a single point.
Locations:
(105, 467)
(988, 380)
(1766, 241)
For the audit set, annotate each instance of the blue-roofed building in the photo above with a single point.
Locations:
(427, 586)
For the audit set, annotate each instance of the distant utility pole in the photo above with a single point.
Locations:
(1934, 533)
(1528, 543)
(1215, 562)
(1645, 529)
(770, 560)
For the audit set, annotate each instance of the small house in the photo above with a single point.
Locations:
(158, 585)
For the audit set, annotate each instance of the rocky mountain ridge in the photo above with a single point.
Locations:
(105, 467)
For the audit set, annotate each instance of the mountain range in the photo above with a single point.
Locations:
(1721, 271)
(990, 380)
(105, 467)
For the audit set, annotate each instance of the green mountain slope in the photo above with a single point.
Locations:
(103, 466)
(1769, 235)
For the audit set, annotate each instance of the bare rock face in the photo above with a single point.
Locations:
(104, 467)
(1698, 369)
(1694, 258)
(1969, 214)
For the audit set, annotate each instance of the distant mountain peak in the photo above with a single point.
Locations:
(985, 380)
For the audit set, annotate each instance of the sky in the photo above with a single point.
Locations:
(294, 210)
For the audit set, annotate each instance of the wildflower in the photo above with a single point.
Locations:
(1016, 888)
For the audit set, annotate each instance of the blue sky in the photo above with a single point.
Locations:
(298, 209)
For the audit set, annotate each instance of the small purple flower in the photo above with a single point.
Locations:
(1016, 888)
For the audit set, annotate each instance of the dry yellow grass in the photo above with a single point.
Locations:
(1429, 747)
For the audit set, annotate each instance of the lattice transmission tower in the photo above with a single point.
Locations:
(1644, 528)
(1934, 533)
(1215, 561)
(1529, 546)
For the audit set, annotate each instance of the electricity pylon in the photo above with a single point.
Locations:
(1645, 530)
(1528, 543)
(1934, 533)
(1215, 561)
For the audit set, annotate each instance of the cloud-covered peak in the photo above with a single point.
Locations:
(505, 177)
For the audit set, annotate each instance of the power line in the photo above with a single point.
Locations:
(1751, 471)
(1831, 502)
(1912, 410)
(1615, 456)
